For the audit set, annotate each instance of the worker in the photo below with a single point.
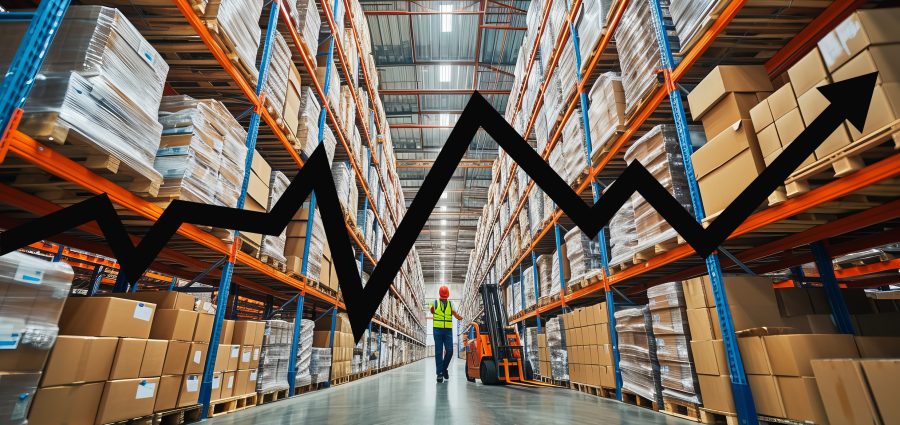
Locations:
(442, 311)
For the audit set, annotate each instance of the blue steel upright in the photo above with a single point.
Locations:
(537, 288)
(740, 388)
(839, 311)
(595, 189)
(295, 342)
(228, 268)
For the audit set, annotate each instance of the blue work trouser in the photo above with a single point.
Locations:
(443, 349)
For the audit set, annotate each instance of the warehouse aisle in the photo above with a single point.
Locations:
(410, 395)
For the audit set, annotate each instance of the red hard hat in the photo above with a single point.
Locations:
(444, 292)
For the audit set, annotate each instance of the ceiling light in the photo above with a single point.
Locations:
(444, 73)
(446, 18)
(443, 222)
(443, 233)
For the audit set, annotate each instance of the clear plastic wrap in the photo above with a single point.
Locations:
(545, 268)
(639, 54)
(607, 111)
(672, 336)
(307, 20)
(277, 74)
(666, 295)
(637, 353)
(622, 234)
(308, 128)
(530, 295)
(589, 23)
(16, 392)
(583, 254)
(304, 353)
(34, 291)
(238, 21)
(660, 153)
(689, 17)
(560, 269)
(275, 354)
(679, 381)
(531, 349)
(320, 364)
(273, 246)
(556, 342)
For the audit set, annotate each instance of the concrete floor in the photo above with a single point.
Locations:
(410, 395)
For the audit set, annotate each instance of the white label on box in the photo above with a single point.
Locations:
(235, 351)
(145, 390)
(192, 384)
(252, 375)
(142, 312)
(197, 355)
(255, 353)
(216, 381)
(9, 338)
(245, 357)
(230, 381)
(29, 274)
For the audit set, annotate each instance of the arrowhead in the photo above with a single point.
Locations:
(853, 97)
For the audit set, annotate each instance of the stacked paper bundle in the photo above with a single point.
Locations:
(531, 347)
(531, 294)
(639, 57)
(277, 74)
(607, 112)
(590, 22)
(274, 356)
(670, 328)
(304, 353)
(273, 246)
(320, 364)
(238, 22)
(556, 342)
(622, 235)
(307, 20)
(691, 18)
(583, 254)
(308, 128)
(637, 353)
(545, 265)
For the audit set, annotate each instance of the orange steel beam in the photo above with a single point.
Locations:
(803, 42)
(882, 266)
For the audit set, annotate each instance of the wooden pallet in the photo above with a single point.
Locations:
(658, 248)
(681, 409)
(273, 262)
(143, 420)
(231, 404)
(182, 415)
(49, 128)
(846, 160)
(637, 400)
(715, 417)
(249, 247)
(249, 71)
(341, 380)
(593, 390)
(264, 397)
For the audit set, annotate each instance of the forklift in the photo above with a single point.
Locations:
(494, 351)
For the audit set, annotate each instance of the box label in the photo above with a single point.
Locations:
(235, 351)
(231, 381)
(142, 312)
(29, 274)
(255, 353)
(147, 52)
(253, 375)
(197, 355)
(145, 390)
(9, 339)
(245, 357)
(216, 381)
(192, 384)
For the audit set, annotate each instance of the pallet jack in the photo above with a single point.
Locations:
(495, 354)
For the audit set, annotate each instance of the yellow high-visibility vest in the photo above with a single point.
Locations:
(443, 317)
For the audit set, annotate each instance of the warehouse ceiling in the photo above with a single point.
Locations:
(431, 55)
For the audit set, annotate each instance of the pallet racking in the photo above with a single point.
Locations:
(769, 232)
(194, 254)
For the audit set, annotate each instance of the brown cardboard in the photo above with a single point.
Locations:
(871, 347)
(885, 108)
(106, 316)
(260, 332)
(245, 357)
(859, 31)
(163, 299)
(803, 400)
(216, 392)
(782, 101)
(127, 398)
(789, 355)
(727, 164)
(789, 127)
(154, 358)
(820, 324)
(793, 302)
(726, 79)
(808, 71)
(291, 110)
(176, 357)
(227, 332)
(190, 390)
(234, 356)
(700, 324)
(227, 385)
(697, 293)
(883, 324)
(733, 107)
(71, 404)
(79, 359)
(127, 361)
(709, 357)
(753, 353)
(223, 355)
(175, 325)
(203, 330)
(716, 391)
(167, 396)
(196, 358)
(766, 395)
(244, 332)
(883, 376)
(844, 391)
(761, 115)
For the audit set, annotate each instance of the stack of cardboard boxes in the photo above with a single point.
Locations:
(732, 156)
(342, 349)
(638, 363)
(237, 359)
(589, 347)
(257, 193)
(543, 356)
(124, 358)
(859, 391)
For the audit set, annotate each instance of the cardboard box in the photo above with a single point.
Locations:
(71, 404)
(730, 109)
(216, 392)
(808, 72)
(227, 385)
(803, 400)
(127, 398)
(811, 104)
(883, 324)
(203, 330)
(769, 141)
(244, 332)
(790, 355)
(789, 127)
(793, 302)
(761, 115)
(234, 357)
(860, 30)
(883, 376)
(106, 316)
(126, 363)
(196, 358)
(716, 391)
(871, 347)
(766, 395)
(176, 357)
(726, 79)
(845, 392)
(291, 110)
(727, 164)
(167, 396)
(703, 326)
(227, 332)
(190, 390)
(77, 359)
(698, 293)
(709, 357)
(245, 356)
(753, 353)
(154, 358)
(782, 101)
(163, 299)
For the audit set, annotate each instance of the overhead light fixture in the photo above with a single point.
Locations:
(444, 73)
(446, 18)
(443, 233)
(443, 222)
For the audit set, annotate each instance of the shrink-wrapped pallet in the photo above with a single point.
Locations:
(536, 209)
(637, 353)
(583, 254)
(304, 353)
(273, 246)
(660, 153)
(531, 348)
(308, 127)
(307, 21)
(236, 23)
(531, 290)
(556, 342)
(277, 74)
(622, 234)
(560, 269)
(590, 20)
(274, 356)
(691, 17)
(545, 266)
(572, 148)
(607, 112)
(672, 335)
(639, 53)
(320, 364)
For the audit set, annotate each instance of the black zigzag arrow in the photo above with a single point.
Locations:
(849, 100)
